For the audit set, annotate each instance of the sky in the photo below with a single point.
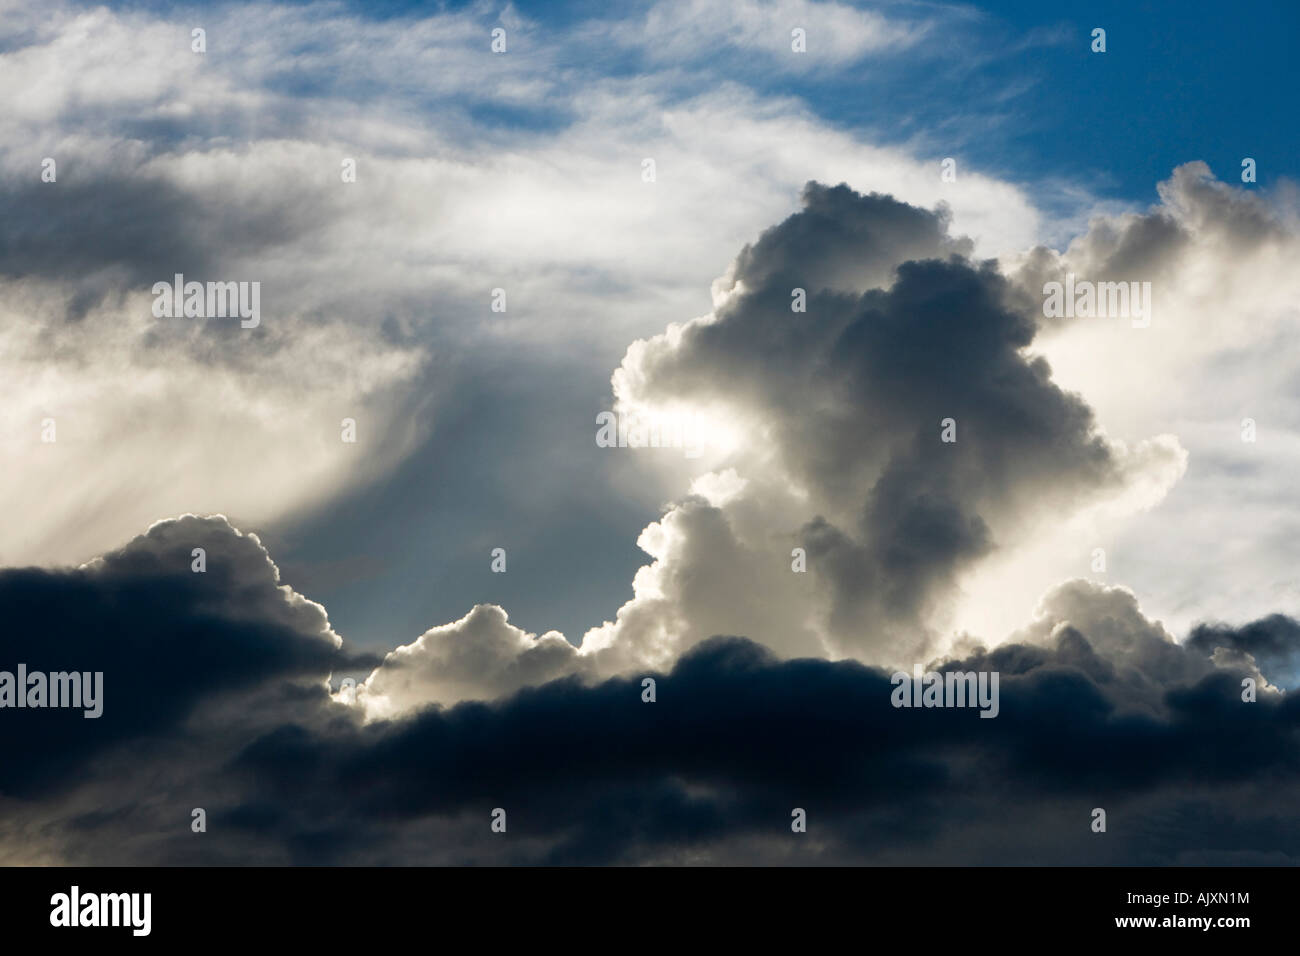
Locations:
(430, 591)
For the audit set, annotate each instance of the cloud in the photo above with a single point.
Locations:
(833, 420)
(251, 426)
(1269, 643)
(835, 448)
(1220, 259)
(226, 166)
(841, 410)
(1104, 625)
(835, 34)
(481, 656)
(167, 639)
(522, 172)
(216, 698)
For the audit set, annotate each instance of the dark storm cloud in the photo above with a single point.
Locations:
(901, 333)
(1273, 642)
(737, 739)
(165, 638)
(214, 699)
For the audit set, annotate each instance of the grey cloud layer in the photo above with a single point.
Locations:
(216, 698)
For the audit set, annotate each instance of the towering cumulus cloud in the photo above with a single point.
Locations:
(840, 411)
(840, 344)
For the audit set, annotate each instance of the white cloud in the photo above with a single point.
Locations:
(836, 34)
(1221, 260)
